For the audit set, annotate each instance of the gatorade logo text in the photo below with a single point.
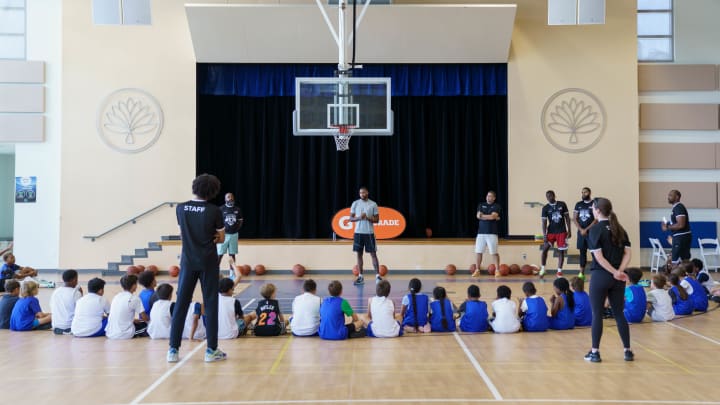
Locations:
(391, 224)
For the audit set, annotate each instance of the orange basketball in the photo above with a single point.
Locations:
(174, 271)
(472, 268)
(450, 269)
(491, 269)
(133, 270)
(535, 269)
(141, 267)
(259, 269)
(526, 270)
(153, 268)
(514, 269)
(504, 269)
(298, 270)
(356, 270)
(383, 270)
(244, 269)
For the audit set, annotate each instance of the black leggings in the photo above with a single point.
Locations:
(583, 258)
(209, 280)
(604, 285)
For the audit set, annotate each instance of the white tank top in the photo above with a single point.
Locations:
(200, 331)
(160, 320)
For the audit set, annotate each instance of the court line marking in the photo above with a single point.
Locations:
(165, 376)
(443, 400)
(281, 355)
(478, 368)
(168, 373)
(693, 333)
(666, 359)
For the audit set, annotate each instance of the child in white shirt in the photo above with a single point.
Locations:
(91, 311)
(122, 322)
(381, 312)
(232, 323)
(161, 313)
(659, 302)
(62, 303)
(505, 312)
(305, 320)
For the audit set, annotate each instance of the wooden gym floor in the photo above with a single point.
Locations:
(676, 362)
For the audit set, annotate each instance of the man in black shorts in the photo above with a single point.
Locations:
(364, 212)
(556, 229)
(584, 219)
(679, 226)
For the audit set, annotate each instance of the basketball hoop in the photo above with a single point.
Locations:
(342, 137)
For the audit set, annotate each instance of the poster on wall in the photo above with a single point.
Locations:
(25, 189)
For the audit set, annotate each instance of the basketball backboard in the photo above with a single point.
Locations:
(323, 105)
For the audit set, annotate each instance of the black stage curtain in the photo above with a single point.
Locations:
(446, 152)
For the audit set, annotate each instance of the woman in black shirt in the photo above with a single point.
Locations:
(610, 247)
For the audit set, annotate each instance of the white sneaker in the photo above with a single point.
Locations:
(542, 272)
(378, 279)
(172, 355)
(213, 355)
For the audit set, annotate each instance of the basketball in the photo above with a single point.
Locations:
(383, 270)
(141, 267)
(535, 268)
(298, 270)
(153, 268)
(259, 269)
(514, 269)
(450, 269)
(428, 232)
(491, 269)
(174, 271)
(526, 270)
(244, 269)
(504, 269)
(133, 270)
(472, 268)
(356, 271)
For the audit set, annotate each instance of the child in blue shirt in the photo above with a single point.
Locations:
(533, 310)
(697, 292)
(332, 316)
(583, 313)
(473, 312)
(635, 298)
(7, 303)
(415, 309)
(27, 314)
(441, 312)
(681, 302)
(562, 306)
(11, 270)
(147, 280)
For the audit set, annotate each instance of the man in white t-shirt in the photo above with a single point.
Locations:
(305, 319)
(62, 303)
(91, 311)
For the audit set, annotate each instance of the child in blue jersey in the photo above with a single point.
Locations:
(562, 306)
(703, 276)
(332, 316)
(681, 302)
(505, 312)
(147, 280)
(697, 293)
(441, 312)
(635, 298)
(27, 314)
(415, 309)
(583, 313)
(533, 310)
(473, 313)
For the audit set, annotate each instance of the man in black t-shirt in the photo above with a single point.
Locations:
(201, 227)
(679, 226)
(555, 221)
(233, 220)
(584, 219)
(488, 215)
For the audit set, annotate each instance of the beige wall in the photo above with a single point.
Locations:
(101, 187)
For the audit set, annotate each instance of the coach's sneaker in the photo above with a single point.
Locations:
(476, 273)
(359, 280)
(542, 272)
(172, 355)
(629, 355)
(559, 273)
(593, 357)
(214, 355)
(378, 279)
(581, 276)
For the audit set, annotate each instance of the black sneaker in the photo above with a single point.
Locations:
(629, 356)
(359, 281)
(593, 357)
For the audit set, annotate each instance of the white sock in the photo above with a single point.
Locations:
(559, 270)
(542, 268)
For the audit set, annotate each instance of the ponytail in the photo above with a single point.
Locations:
(440, 295)
(617, 232)
(675, 281)
(444, 321)
(414, 306)
(415, 287)
(564, 287)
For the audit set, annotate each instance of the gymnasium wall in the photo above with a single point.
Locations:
(102, 187)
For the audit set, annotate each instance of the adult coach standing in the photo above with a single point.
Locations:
(556, 229)
(679, 226)
(610, 247)
(201, 227)
(584, 218)
(233, 220)
(364, 211)
(488, 215)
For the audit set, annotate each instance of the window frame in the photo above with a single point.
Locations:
(671, 36)
(23, 8)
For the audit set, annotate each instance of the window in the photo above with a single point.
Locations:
(655, 31)
(121, 12)
(12, 29)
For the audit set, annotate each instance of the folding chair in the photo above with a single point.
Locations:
(659, 257)
(711, 249)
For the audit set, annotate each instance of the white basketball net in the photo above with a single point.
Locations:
(342, 138)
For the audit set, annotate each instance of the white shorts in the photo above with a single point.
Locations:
(489, 240)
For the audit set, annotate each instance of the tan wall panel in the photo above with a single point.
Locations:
(653, 77)
(717, 156)
(22, 71)
(677, 155)
(679, 116)
(22, 128)
(694, 195)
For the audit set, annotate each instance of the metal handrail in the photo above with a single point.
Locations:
(131, 220)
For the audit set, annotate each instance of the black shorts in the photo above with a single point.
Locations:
(582, 243)
(364, 241)
(681, 247)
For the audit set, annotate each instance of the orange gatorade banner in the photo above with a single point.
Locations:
(391, 225)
